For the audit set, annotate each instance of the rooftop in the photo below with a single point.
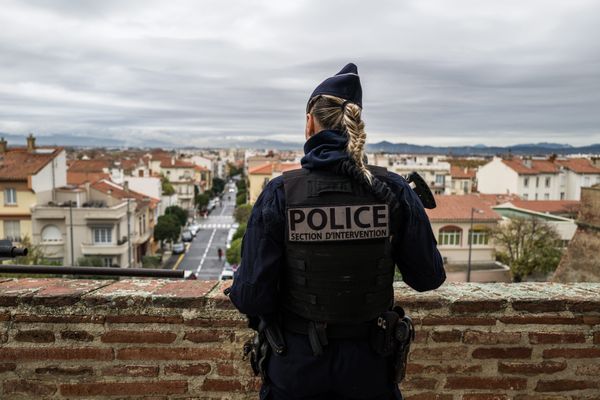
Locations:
(18, 163)
(531, 167)
(458, 208)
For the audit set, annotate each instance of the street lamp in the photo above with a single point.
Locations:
(470, 239)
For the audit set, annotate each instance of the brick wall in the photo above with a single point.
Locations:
(165, 339)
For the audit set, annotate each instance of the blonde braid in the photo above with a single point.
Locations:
(355, 128)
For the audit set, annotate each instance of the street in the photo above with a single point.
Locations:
(202, 255)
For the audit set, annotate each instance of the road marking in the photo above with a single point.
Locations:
(223, 210)
(178, 261)
(206, 251)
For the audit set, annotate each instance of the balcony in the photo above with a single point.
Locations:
(91, 249)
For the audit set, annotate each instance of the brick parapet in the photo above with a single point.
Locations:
(182, 339)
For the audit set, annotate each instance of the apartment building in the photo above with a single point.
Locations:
(102, 220)
(434, 171)
(463, 180)
(260, 175)
(28, 176)
(535, 179)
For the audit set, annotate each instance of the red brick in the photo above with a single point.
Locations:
(439, 353)
(5, 367)
(224, 369)
(572, 353)
(542, 320)
(429, 396)
(556, 337)
(209, 336)
(222, 385)
(125, 294)
(484, 396)
(143, 319)
(539, 305)
(188, 369)
(591, 320)
(5, 316)
(138, 337)
(442, 368)
(131, 370)
(589, 369)
(486, 383)
(446, 336)
(35, 336)
(498, 352)
(173, 353)
(216, 323)
(480, 337)
(60, 319)
(477, 306)
(418, 383)
(597, 338)
(124, 389)
(58, 353)
(563, 385)
(584, 306)
(544, 367)
(79, 336)
(183, 293)
(541, 397)
(27, 387)
(410, 303)
(459, 321)
(66, 371)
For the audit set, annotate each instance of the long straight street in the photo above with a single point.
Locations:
(202, 255)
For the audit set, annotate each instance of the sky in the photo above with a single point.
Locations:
(435, 72)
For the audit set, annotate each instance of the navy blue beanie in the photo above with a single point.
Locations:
(345, 84)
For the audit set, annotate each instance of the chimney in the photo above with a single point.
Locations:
(30, 143)
(3, 146)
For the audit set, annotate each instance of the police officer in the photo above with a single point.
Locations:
(319, 256)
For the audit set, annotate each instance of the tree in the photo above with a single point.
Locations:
(218, 185)
(167, 228)
(179, 213)
(235, 170)
(242, 213)
(90, 261)
(529, 245)
(201, 201)
(239, 233)
(35, 254)
(167, 187)
(240, 198)
(234, 252)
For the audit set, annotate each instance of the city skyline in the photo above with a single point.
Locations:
(190, 73)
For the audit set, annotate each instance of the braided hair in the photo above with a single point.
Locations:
(335, 113)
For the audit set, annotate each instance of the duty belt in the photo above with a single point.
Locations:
(319, 332)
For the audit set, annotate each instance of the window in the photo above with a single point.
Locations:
(525, 196)
(10, 196)
(548, 181)
(429, 160)
(546, 196)
(12, 230)
(440, 179)
(526, 182)
(102, 235)
(51, 233)
(450, 236)
(537, 181)
(536, 196)
(479, 236)
(107, 261)
(562, 195)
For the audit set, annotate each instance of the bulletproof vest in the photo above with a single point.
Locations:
(338, 267)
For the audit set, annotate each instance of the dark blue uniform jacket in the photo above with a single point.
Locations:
(255, 286)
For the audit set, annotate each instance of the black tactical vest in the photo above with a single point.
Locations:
(339, 267)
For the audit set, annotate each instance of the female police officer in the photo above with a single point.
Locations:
(319, 252)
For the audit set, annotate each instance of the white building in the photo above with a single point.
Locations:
(434, 171)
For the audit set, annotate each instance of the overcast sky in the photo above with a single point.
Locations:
(193, 72)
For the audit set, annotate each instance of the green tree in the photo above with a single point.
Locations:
(239, 233)
(35, 254)
(235, 170)
(242, 213)
(240, 198)
(167, 187)
(241, 184)
(528, 245)
(90, 261)
(201, 201)
(234, 252)
(179, 213)
(167, 228)
(218, 185)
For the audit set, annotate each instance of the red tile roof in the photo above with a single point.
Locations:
(78, 178)
(89, 165)
(17, 164)
(170, 163)
(495, 199)
(119, 192)
(462, 173)
(579, 165)
(265, 169)
(537, 166)
(270, 167)
(548, 206)
(458, 208)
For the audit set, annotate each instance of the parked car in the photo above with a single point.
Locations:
(178, 248)
(229, 238)
(227, 272)
(187, 236)
(194, 228)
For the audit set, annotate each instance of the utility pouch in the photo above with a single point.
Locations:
(383, 334)
(404, 335)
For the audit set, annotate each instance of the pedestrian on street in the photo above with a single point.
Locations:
(220, 253)
(319, 256)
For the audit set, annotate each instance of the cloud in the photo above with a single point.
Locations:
(433, 72)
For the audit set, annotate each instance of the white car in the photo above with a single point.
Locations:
(227, 272)
(178, 248)
(194, 228)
